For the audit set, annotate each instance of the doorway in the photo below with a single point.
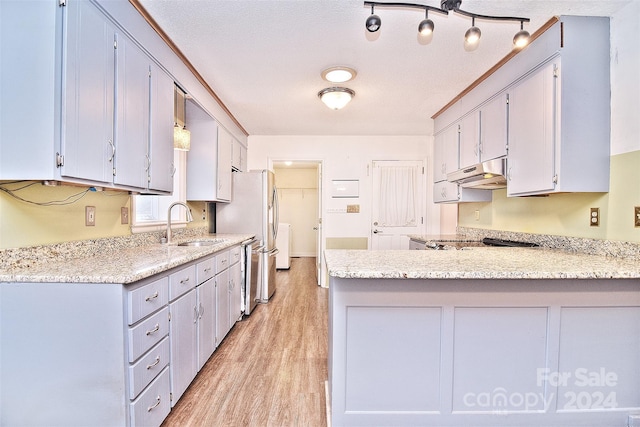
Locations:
(299, 185)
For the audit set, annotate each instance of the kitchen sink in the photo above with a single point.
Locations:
(201, 242)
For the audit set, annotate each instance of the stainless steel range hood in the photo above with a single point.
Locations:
(488, 175)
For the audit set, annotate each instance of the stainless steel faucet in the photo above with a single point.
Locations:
(189, 218)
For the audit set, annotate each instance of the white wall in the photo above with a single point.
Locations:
(347, 157)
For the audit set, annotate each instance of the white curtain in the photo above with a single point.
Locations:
(397, 196)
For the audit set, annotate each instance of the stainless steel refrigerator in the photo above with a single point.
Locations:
(254, 209)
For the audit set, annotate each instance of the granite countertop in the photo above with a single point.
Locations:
(121, 266)
(477, 263)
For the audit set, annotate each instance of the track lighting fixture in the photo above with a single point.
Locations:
(426, 26)
(373, 22)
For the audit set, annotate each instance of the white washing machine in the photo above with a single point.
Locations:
(283, 243)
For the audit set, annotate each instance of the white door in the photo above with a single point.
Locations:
(398, 208)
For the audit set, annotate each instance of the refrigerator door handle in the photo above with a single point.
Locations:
(276, 209)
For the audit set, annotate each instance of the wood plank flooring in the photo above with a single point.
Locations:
(271, 368)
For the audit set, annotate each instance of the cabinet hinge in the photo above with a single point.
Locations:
(62, 2)
(59, 160)
(114, 171)
(556, 71)
(507, 99)
(423, 170)
(555, 178)
(421, 220)
(170, 397)
(169, 316)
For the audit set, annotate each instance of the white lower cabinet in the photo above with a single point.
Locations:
(183, 337)
(126, 352)
(235, 285)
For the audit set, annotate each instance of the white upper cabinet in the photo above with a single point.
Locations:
(83, 113)
(160, 150)
(209, 160)
(239, 158)
(493, 128)
(132, 126)
(88, 142)
(445, 157)
(531, 133)
(547, 108)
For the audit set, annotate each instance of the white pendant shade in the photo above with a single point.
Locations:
(181, 138)
(336, 97)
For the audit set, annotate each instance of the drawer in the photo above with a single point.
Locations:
(146, 299)
(148, 333)
(234, 255)
(181, 282)
(222, 261)
(153, 405)
(206, 269)
(148, 367)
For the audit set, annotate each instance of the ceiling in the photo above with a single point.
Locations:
(263, 58)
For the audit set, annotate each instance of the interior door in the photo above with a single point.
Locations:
(318, 229)
(398, 208)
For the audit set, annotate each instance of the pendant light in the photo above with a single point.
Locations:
(521, 39)
(426, 25)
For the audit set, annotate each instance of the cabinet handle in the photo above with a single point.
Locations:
(154, 363)
(208, 269)
(201, 312)
(195, 314)
(148, 163)
(113, 150)
(154, 296)
(154, 330)
(150, 408)
(185, 280)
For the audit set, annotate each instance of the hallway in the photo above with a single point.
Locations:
(271, 368)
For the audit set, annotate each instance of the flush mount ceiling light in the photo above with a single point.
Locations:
(426, 26)
(339, 74)
(336, 97)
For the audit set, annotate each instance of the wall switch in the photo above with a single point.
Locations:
(477, 212)
(594, 219)
(124, 215)
(353, 208)
(636, 216)
(89, 216)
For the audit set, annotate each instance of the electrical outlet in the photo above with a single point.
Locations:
(594, 219)
(636, 216)
(477, 213)
(124, 215)
(89, 216)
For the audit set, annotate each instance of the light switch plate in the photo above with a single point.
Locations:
(636, 216)
(124, 215)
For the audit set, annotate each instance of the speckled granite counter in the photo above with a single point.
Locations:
(478, 263)
(125, 265)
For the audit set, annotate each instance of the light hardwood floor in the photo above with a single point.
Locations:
(271, 368)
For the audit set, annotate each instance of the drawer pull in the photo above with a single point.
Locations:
(185, 280)
(154, 296)
(208, 269)
(154, 363)
(150, 408)
(154, 330)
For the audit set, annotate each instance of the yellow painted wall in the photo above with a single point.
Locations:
(24, 224)
(567, 214)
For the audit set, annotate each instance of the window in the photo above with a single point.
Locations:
(150, 212)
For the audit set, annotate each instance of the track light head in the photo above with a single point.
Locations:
(472, 36)
(373, 22)
(426, 25)
(521, 39)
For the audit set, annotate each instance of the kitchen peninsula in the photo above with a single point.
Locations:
(483, 337)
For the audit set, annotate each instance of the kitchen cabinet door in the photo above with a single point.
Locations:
(445, 159)
(493, 128)
(183, 339)
(206, 321)
(132, 135)
(160, 150)
(235, 293)
(470, 139)
(222, 306)
(88, 142)
(530, 163)
(225, 149)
